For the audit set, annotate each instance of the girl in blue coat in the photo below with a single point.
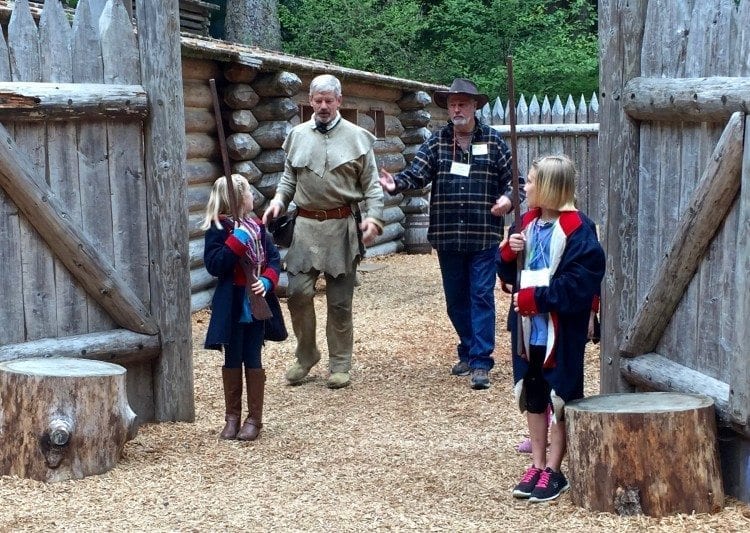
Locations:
(559, 285)
(232, 327)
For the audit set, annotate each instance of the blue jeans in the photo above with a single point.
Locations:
(469, 286)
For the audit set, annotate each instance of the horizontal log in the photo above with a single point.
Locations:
(392, 199)
(393, 126)
(241, 96)
(372, 91)
(386, 248)
(415, 205)
(86, 263)
(269, 161)
(247, 169)
(389, 145)
(241, 121)
(366, 122)
(415, 100)
(199, 120)
(197, 196)
(277, 84)
(711, 201)
(22, 101)
(196, 247)
(114, 346)
(201, 146)
(201, 300)
(711, 99)
(237, 73)
(391, 232)
(276, 109)
(268, 183)
(197, 93)
(531, 130)
(242, 146)
(654, 372)
(199, 69)
(200, 280)
(272, 134)
(415, 135)
(202, 171)
(415, 119)
(391, 162)
(393, 214)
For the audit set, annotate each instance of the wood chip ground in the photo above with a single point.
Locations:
(406, 448)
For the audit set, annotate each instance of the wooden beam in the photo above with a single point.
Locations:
(165, 150)
(119, 346)
(44, 211)
(28, 101)
(711, 201)
(654, 372)
(686, 99)
(532, 130)
(739, 367)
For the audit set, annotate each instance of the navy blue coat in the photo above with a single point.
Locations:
(221, 257)
(572, 293)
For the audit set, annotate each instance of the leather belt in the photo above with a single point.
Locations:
(320, 215)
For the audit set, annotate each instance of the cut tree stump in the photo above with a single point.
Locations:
(62, 418)
(652, 453)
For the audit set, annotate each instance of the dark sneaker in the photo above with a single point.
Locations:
(550, 485)
(461, 369)
(480, 379)
(527, 483)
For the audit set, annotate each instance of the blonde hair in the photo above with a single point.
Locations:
(555, 182)
(218, 201)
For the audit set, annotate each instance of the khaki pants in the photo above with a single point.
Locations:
(339, 330)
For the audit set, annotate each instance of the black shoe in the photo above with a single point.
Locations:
(480, 379)
(550, 485)
(527, 483)
(461, 369)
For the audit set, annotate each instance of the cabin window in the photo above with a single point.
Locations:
(378, 115)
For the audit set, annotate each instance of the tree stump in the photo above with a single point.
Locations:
(653, 453)
(62, 418)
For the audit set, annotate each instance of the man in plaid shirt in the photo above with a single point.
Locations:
(469, 167)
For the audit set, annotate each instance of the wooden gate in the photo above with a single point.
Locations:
(93, 238)
(675, 160)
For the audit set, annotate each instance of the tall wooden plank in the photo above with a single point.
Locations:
(739, 367)
(620, 58)
(127, 182)
(707, 55)
(557, 116)
(739, 382)
(545, 117)
(11, 293)
(533, 118)
(673, 17)
(161, 67)
(596, 181)
(522, 117)
(582, 154)
(93, 159)
(37, 263)
(62, 162)
(125, 147)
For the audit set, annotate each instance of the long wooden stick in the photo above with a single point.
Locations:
(258, 305)
(233, 205)
(516, 188)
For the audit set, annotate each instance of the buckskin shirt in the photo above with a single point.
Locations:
(325, 171)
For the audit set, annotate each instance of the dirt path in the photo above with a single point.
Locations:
(406, 447)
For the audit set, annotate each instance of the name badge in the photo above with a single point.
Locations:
(535, 278)
(460, 169)
(479, 149)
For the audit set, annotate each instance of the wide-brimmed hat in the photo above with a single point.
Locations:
(460, 86)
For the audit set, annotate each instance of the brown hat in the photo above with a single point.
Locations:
(460, 86)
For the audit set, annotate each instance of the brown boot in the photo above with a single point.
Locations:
(232, 378)
(256, 384)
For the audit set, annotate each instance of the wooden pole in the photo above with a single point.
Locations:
(516, 190)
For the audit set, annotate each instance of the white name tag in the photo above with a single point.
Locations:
(460, 169)
(479, 149)
(535, 278)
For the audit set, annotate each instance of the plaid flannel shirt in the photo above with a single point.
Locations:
(460, 218)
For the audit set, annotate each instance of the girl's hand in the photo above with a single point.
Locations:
(517, 242)
(261, 286)
(515, 302)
